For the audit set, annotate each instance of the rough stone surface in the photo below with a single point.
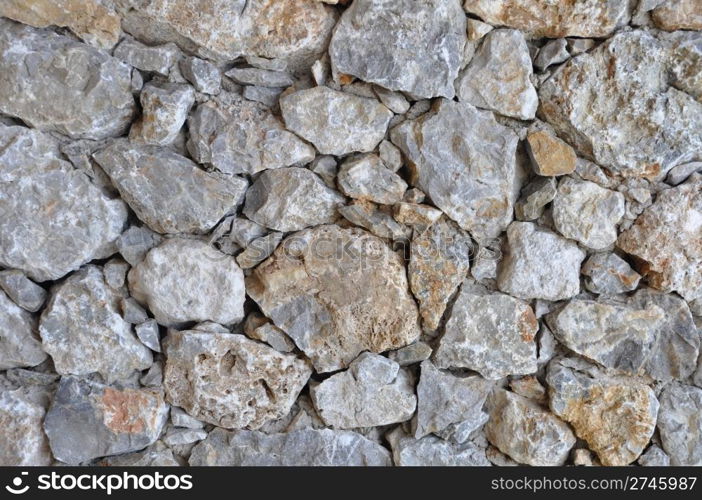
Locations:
(150, 58)
(609, 274)
(376, 220)
(673, 15)
(164, 110)
(23, 291)
(549, 155)
(367, 178)
(202, 74)
(22, 411)
(361, 299)
(430, 451)
(534, 197)
(19, 345)
(680, 424)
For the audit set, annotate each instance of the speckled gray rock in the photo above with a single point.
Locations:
(553, 52)
(260, 77)
(367, 178)
(135, 242)
(22, 411)
(635, 126)
(498, 76)
(465, 162)
(411, 354)
(609, 274)
(229, 380)
(526, 432)
(23, 291)
(587, 213)
(360, 301)
(430, 451)
(243, 138)
(164, 107)
(202, 74)
(375, 219)
(666, 240)
(439, 262)
(154, 59)
(148, 334)
(19, 344)
(259, 250)
(167, 191)
(681, 173)
(411, 46)
(654, 457)
(258, 327)
(185, 280)
(83, 331)
(337, 123)
(90, 97)
(55, 219)
(490, 333)
(680, 423)
(290, 199)
(534, 197)
(156, 455)
(539, 264)
(104, 420)
(305, 447)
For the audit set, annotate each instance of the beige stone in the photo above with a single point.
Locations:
(550, 156)
(674, 15)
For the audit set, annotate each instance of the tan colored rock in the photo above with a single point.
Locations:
(336, 292)
(550, 156)
(673, 15)
(92, 20)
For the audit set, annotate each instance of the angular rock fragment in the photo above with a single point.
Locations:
(539, 264)
(615, 416)
(666, 240)
(654, 457)
(23, 291)
(587, 213)
(167, 191)
(19, 345)
(88, 420)
(185, 280)
(165, 107)
(680, 424)
(465, 162)
(553, 52)
(89, 97)
(549, 155)
(259, 328)
(679, 174)
(526, 432)
(148, 334)
(490, 333)
(415, 214)
(411, 354)
(22, 411)
(306, 447)
(259, 250)
(366, 178)
(373, 391)
(534, 197)
(430, 451)
(156, 455)
(379, 222)
(55, 219)
(609, 274)
(83, 330)
(498, 76)
(411, 46)
(674, 15)
(337, 123)
(153, 59)
(231, 381)
(135, 242)
(202, 74)
(260, 77)
(290, 199)
(336, 292)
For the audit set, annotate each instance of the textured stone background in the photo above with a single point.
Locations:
(333, 232)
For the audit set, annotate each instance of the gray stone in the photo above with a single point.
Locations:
(164, 107)
(185, 280)
(465, 162)
(243, 138)
(90, 97)
(490, 333)
(23, 291)
(22, 411)
(156, 455)
(135, 242)
(229, 380)
(202, 74)
(180, 418)
(148, 333)
(416, 215)
(178, 437)
(587, 213)
(390, 155)
(539, 264)
(264, 95)
(534, 197)
(115, 272)
(654, 457)
(366, 178)
(132, 312)
(553, 52)
(680, 424)
(411, 46)
(411, 354)
(55, 219)
(290, 199)
(167, 191)
(259, 250)
(375, 219)
(609, 274)
(499, 76)
(680, 173)
(526, 432)
(305, 447)
(337, 123)
(275, 64)
(260, 77)
(336, 292)
(19, 344)
(153, 59)
(261, 329)
(577, 46)
(326, 168)
(88, 420)
(243, 231)
(83, 331)
(430, 451)
(394, 100)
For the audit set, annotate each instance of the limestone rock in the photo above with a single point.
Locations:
(290, 199)
(439, 262)
(490, 333)
(526, 432)
(22, 411)
(534, 197)
(587, 213)
(167, 191)
(415, 214)
(654, 457)
(243, 138)
(135, 242)
(165, 107)
(260, 77)
(465, 162)
(185, 280)
(411, 354)
(666, 240)
(411, 46)
(89, 420)
(553, 52)
(680, 424)
(23, 291)
(336, 292)
(679, 174)
(148, 334)
(156, 455)
(202, 74)
(498, 76)
(674, 15)
(305, 447)
(19, 345)
(617, 432)
(373, 391)
(259, 250)
(549, 155)
(366, 178)
(229, 380)
(90, 97)
(83, 331)
(537, 18)
(337, 123)
(609, 274)
(258, 327)
(376, 220)
(55, 219)
(539, 264)
(430, 451)
(152, 59)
